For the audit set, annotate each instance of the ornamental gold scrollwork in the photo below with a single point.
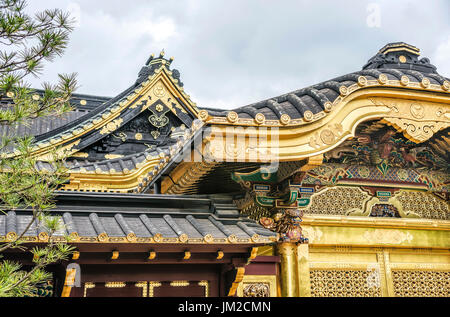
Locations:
(327, 136)
(285, 119)
(419, 121)
(260, 118)
(155, 134)
(203, 115)
(414, 130)
(233, 150)
(121, 136)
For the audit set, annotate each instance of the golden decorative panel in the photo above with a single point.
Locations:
(337, 201)
(343, 283)
(409, 283)
(352, 201)
(423, 204)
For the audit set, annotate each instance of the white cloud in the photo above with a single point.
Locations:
(75, 11)
(232, 52)
(441, 57)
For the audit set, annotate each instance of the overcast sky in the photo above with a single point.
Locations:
(234, 52)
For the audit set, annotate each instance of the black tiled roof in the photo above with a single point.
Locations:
(141, 218)
(81, 104)
(313, 98)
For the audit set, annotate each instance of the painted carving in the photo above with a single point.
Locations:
(384, 210)
(256, 290)
(384, 149)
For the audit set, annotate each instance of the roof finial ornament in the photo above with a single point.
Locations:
(400, 55)
(150, 59)
(162, 53)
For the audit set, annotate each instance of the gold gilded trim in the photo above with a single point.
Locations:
(205, 284)
(239, 276)
(149, 240)
(69, 282)
(87, 285)
(151, 287)
(179, 283)
(115, 284)
(144, 287)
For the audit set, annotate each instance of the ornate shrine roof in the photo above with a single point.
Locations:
(141, 131)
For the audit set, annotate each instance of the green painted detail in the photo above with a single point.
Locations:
(383, 167)
(265, 201)
(262, 175)
(303, 202)
(291, 197)
(383, 194)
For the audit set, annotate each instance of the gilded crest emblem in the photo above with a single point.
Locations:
(159, 91)
(417, 110)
